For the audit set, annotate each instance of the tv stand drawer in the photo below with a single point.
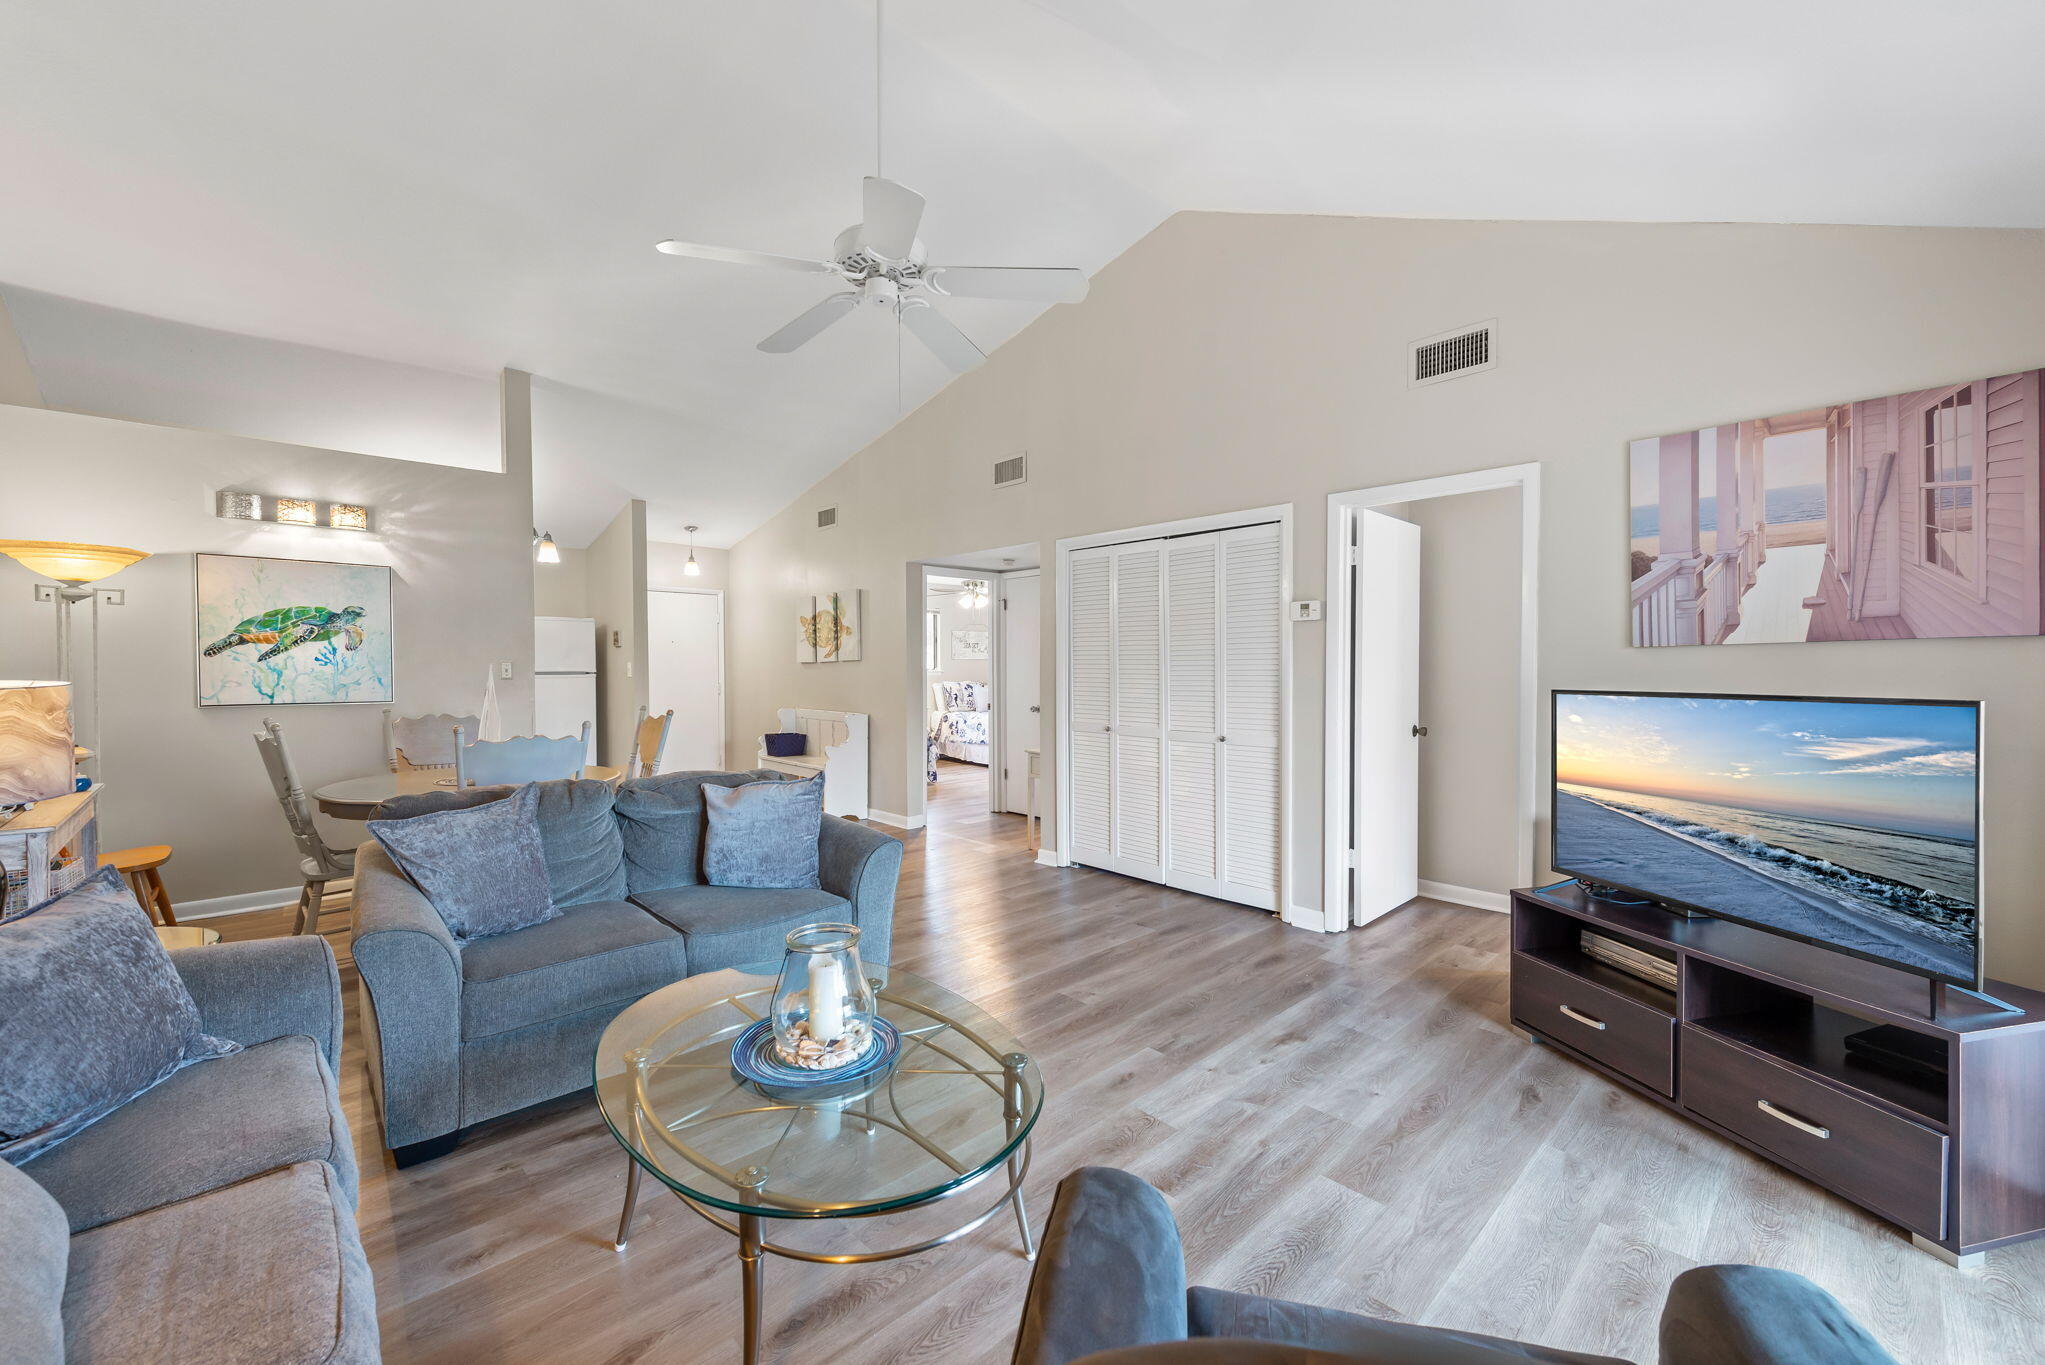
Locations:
(1871, 1156)
(1633, 1039)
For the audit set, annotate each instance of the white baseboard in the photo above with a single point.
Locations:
(236, 905)
(1048, 858)
(889, 818)
(1464, 895)
(1304, 917)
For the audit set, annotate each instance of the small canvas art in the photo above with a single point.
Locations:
(1913, 516)
(971, 644)
(293, 632)
(828, 628)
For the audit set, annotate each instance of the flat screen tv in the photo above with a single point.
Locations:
(1844, 822)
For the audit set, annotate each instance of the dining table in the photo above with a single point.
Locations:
(356, 798)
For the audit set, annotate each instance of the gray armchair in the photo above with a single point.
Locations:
(240, 1164)
(458, 1033)
(1110, 1289)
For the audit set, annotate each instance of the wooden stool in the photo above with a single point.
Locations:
(139, 866)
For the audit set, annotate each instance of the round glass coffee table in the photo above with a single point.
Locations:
(954, 1113)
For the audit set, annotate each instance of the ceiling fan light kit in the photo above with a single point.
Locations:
(883, 265)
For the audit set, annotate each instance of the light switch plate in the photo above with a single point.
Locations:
(1306, 611)
(504, 670)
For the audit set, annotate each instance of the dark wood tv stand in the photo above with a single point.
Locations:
(1751, 1045)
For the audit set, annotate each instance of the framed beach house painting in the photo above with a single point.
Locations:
(292, 632)
(1914, 516)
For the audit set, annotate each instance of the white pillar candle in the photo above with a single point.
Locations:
(827, 999)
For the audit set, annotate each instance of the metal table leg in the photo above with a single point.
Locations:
(751, 1262)
(631, 1201)
(1012, 1067)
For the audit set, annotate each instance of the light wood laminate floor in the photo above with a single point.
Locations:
(1343, 1120)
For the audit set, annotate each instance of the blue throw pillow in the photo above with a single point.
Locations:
(92, 1013)
(763, 834)
(481, 867)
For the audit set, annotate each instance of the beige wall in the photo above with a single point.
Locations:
(459, 540)
(1469, 686)
(944, 600)
(1184, 386)
(562, 589)
(17, 381)
(617, 599)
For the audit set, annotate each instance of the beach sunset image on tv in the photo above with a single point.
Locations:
(1847, 823)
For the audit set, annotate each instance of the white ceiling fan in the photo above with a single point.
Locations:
(882, 262)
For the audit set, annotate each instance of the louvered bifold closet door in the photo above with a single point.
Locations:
(1090, 575)
(1138, 721)
(1193, 713)
(1252, 680)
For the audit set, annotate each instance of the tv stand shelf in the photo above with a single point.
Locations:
(1752, 1044)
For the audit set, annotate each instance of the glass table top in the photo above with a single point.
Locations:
(938, 1119)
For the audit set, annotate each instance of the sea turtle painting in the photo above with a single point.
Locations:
(289, 627)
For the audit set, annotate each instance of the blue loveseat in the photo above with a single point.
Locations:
(457, 1033)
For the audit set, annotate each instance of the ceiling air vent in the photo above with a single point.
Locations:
(827, 516)
(1008, 471)
(1451, 355)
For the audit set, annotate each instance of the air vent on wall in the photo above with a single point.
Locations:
(827, 517)
(1010, 470)
(1451, 355)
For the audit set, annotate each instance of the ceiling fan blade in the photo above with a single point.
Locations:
(892, 213)
(1037, 285)
(945, 341)
(732, 255)
(810, 323)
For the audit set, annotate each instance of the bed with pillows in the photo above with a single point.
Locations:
(959, 717)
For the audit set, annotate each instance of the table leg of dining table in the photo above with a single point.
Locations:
(752, 1262)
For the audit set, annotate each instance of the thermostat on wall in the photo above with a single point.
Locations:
(1306, 611)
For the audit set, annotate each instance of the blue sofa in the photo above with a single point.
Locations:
(212, 1217)
(1110, 1289)
(458, 1033)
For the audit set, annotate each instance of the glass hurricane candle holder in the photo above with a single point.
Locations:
(823, 1003)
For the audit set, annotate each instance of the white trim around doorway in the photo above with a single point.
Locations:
(1336, 814)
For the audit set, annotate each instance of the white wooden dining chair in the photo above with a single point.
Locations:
(325, 870)
(649, 739)
(423, 741)
(528, 758)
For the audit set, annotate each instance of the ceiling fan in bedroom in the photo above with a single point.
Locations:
(882, 263)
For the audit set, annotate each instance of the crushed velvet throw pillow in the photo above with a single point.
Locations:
(92, 1013)
(763, 833)
(480, 866)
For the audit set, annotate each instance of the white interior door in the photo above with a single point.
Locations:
(1138, 723)
(1252, 681)
(1089, 757)
(1019, 697)
(1385, 771)
(685, 661)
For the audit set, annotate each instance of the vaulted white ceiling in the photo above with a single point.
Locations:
(461, 185)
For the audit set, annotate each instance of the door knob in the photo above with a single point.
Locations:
(1420, 732)
(1107, 729)
(1035, 709)
(1221, 739)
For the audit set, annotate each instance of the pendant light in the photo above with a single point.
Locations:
(692, 568)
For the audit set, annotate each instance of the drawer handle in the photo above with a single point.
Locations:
(1792, 1120)
(1581, 1017)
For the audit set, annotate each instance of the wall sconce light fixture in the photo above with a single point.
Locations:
(237, 505)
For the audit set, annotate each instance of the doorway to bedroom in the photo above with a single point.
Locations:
(980, 703)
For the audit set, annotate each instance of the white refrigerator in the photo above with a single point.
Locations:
(564, 677)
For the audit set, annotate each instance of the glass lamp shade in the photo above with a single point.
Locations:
(346, 516)
(239, 506)
(692, 568)
(68, 562)
(823, 1003)
(545, 551)
(298, 511)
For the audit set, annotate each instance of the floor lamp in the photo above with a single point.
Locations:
(74, 566)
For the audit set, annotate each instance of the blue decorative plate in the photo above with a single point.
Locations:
(753, 1057)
